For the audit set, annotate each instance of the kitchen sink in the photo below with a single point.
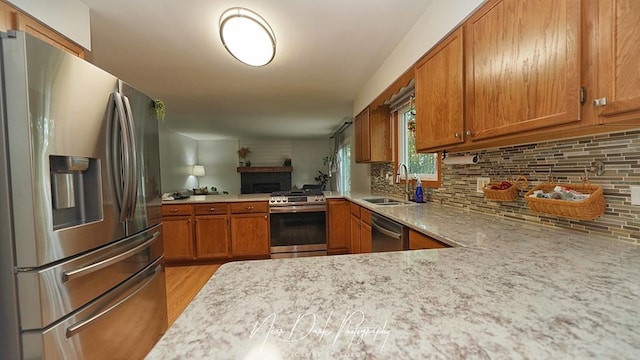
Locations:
(386, 201)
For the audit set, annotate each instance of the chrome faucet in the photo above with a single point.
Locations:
(407, 194)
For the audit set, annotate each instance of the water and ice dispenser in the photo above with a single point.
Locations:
(76, 192)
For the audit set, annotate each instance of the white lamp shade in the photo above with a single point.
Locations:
(247, 36)
(198, 170)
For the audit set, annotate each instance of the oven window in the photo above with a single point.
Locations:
(290, 229)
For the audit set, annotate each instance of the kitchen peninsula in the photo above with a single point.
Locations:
(509, 290)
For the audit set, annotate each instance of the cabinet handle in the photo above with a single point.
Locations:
(600, 102)
(188, 221)
(249, 208)
(468, 133)
(173, 210)
(212, 209)
(456, 135)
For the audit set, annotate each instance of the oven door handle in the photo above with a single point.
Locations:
(297, 209)
(386, 232)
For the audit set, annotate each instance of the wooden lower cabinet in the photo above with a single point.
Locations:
(178, 238)
(212, 237)
(216, 231)
(365, 237)
(360, 230)
(250, 235)
(355, 234)
(419, 241)
(338, 236)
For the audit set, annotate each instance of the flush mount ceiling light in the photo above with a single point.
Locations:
(247, 36)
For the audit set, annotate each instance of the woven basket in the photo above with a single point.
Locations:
(509, 194)
(587, 209)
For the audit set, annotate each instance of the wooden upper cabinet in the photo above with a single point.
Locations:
(8, 16)
(522, 66)
(372, 135)
(357, 131)
(35, 28)
(13, 19)
(365, 135)
(619, 55)
(439, 91)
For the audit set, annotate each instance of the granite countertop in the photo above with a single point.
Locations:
(197, 199)
(511, 290)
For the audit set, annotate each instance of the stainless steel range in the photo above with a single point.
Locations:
(298, 223)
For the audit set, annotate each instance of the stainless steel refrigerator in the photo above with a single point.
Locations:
(81, 252)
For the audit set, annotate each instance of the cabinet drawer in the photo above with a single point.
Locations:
(175, 210)
(249, 207)
(365, 216)
(355, 210)
(211, 209)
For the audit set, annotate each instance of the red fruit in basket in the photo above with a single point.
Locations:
(505, 185)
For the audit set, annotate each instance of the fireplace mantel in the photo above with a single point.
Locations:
(264, 169)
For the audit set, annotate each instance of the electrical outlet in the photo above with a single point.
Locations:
(635, 195)
(481, 182)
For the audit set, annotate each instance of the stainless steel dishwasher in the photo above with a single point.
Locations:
(387, 235)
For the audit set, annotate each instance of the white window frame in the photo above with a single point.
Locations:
(403, 151)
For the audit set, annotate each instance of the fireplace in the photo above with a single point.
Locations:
(266, 187)
(264, 182)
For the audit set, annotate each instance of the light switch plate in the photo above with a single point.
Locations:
(635, 195)
(481, 182)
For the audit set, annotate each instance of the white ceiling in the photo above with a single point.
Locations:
(326, 51)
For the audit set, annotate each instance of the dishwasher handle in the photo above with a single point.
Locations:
(387, 232)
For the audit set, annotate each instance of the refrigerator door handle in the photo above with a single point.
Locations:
(140, 285)
(123, 183)
(133, 151)
(85, 270)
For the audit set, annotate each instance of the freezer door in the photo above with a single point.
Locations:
(62, 197)
(122, 324)
(49, 294)
(148, 198)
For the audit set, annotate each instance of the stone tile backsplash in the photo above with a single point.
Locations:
(567, 159)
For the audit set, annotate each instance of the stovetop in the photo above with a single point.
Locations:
(305, 192)
(297, 197)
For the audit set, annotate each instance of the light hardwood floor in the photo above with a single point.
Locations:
(183, 284)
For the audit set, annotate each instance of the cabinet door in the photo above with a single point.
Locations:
(250, 235)
(365, 136)
(338, 226)
(439, 95)
(357, 132)
(178, 238)
(420, 241)
(355, 235)
(212, 237)
(619, 53)
(522, 66)
(365, 237)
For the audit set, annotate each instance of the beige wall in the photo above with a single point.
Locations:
(438, 20)
(178, 154)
